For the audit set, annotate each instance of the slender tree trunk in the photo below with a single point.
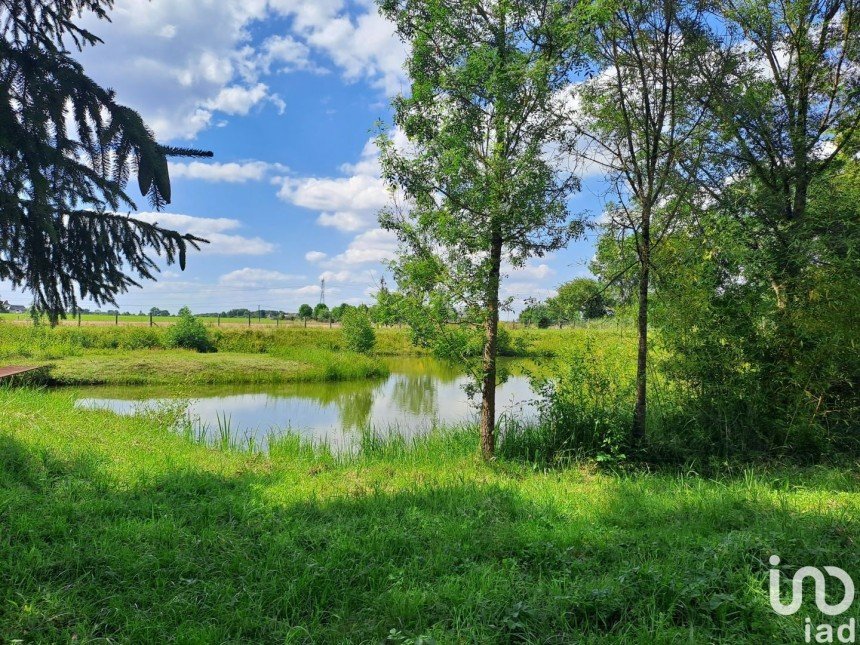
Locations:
(640, 411)
(488, 366)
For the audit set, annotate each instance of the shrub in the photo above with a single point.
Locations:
(358, 334)
(189, 333)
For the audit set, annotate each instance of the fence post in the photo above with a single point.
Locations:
(249, 319)
(219, 320)
(150, 319)
(79, 317)
(116, 319)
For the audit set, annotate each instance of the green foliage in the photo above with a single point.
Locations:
(614, 263)
(762, 376)
(487, 85)
(538, 314)
(358, 334)
(390, 308)
(579, 299)
(61, 186)
(305, 312)
(585, 402)
(189, 333)
(321, 312)
(338, 311)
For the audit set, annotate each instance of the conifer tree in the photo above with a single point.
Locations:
(67, 150)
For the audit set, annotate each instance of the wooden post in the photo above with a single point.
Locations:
(249, 319)
(150, 319)
(219, 320)
(79, 317)
(116, 319)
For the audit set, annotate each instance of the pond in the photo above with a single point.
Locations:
(419, 393)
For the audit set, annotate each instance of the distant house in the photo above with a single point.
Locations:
(17, 309)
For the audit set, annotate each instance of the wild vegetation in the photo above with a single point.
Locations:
(399, 544)
(728, 136)
(700, 415)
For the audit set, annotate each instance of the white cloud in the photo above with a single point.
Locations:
(212, 229)
(239, 100)
(348, 203)
(533, 271)
(223, 172)
(171, 60)
(285, 54)
(376, 245)
(362, 46)
(315, 256)
(180, 63)
(366, 278)
(249, 277)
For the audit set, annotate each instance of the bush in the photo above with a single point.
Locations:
(189, 333)
(358, 334)
(585, 404)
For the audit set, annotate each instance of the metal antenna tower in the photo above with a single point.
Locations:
(322, 291)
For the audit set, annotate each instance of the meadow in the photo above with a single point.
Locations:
(122, 529)
(95, 354)
(127, 528)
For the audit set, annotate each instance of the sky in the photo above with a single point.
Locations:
(288, 94)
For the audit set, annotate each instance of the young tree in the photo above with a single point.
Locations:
(321, 312)
(357, 331)
(66, 151)
(480, 181)
(643, 123)
(581, 298)
(305, 312)
(612, 264)
(537, 314)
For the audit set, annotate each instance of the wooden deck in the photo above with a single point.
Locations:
(14, 370)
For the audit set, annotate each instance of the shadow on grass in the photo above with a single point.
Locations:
(196, 557)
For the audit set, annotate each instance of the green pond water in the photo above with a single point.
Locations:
(419, 393)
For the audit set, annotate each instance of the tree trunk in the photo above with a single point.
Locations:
(640, 411)
(488, 365)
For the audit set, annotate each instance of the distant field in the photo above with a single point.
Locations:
(143, 320)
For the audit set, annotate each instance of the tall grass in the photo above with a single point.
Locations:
(119, 529)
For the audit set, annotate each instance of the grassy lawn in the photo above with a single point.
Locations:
(155, 367)
(118, 529)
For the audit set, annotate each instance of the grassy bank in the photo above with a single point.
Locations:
(20, 341)
(117, 528)
(136, 356)
(156, 367)
(141, 355)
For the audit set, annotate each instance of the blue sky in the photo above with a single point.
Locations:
(286, 93)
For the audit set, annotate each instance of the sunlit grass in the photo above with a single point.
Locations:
(123, 529)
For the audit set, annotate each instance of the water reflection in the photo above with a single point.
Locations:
(419, 393)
